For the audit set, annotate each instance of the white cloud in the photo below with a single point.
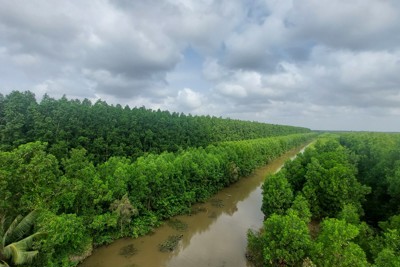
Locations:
(189, 99)
(350, 78)
(254, 45)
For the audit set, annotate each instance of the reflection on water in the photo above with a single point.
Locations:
(214, 237)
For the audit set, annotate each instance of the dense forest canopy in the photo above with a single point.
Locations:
(337, 204)
(85, 174)
(81, 204)
(106, 130)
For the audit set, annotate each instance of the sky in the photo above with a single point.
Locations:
(321, 64)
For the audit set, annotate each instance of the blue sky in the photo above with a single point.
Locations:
(322, 64)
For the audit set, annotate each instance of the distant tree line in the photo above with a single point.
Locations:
(337, 204)
(106, 130)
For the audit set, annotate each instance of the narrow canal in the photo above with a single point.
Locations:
(215, 236)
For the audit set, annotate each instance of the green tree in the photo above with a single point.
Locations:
(17, 120)
(334, 246)
(387, 258)
(255, 248)
(378, 167)
(389, 243)
(329, 188)
(67, 235)
(302, 208)
(16, 242)
(29, 177)
(287, 240)
(296, 170)
(392, 223)
(82, 191)
(277, 195)
(349, 214)
(393, 182)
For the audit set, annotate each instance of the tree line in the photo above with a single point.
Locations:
(112, 130)
(337, 204)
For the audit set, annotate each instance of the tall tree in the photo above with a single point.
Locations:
(334, 246)
(328, 189)
(287, 240)
(17, 120)
(29, 177)
(277, 194)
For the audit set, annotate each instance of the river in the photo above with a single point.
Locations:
(214, 237)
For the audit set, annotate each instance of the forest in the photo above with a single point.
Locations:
(74, 175)
(106, 130)
(337, 204)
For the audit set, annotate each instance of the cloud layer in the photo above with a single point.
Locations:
(320, 64)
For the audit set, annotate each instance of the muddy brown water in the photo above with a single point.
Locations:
(214, 237)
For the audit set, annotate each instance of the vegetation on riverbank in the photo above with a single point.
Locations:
(86, 197)
(337, 204)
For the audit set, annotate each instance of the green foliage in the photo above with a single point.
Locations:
(337, 179)
(106, 130)
(296, 171)
(325, 174)
(388, 245)
(29, 178)
(388, 258)
(392, 223)
(143, 224)
(333, 246)
(393, 185)
(82, 191)
(349, 214)
(255, 248)
(392, 240)
(378, 167)
(66, 235)
(100, 172)
(301, 207)
(16, 118)
(277, 195)
(287, 240)
(102, 227)
(331, 183)
(116, 174)
(367, 240)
